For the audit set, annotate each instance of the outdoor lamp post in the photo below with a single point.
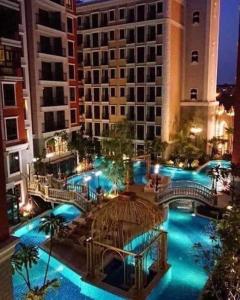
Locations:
(156, 171)
(98, 173)
(86, 180)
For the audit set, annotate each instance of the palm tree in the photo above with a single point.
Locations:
(23, 260)
(51, 225)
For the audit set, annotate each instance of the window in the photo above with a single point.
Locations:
(71, 71)
(140, 94)
(112, 54)
(97, 129)
(196, 17)
(122, 73)
(122, 110)
(160, 7)
(122, 13)
(14, 162)
(122, 34)
(112, 35)
(112, 73)
(9, 96)
(193, 94)
(159, 28)
(11, 129)
(69, 25)
(122, 53)
(140, 54)
(72, 93)
(140, 34)
(158, 111)
(122, 92)
(194, 56)
(158, 91)
(111, 15)
(140, 132)
(159, 50)
(159, 71)
(140, 74)
(70, 49)
(113, 110)
(113, 92)
(140, 113)
(158, 130)
(96, 112)
(73, 116)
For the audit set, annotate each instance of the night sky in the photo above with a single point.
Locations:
(228, 41)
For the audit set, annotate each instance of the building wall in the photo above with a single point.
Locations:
(201, 36)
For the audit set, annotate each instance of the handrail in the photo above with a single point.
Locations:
(187, 189)
(39, 187)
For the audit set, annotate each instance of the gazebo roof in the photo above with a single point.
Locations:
(124, 218)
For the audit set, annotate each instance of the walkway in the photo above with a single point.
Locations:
(187, 190)
(51, 190)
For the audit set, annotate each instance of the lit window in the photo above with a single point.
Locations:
(193, 94)
(194, 56)
(14, 163)
(196, 17)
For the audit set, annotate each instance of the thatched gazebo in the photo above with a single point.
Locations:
(127, 248)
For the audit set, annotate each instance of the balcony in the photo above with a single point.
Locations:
(105, 61)
(88, 115)
(151, 58)
(10, 69)
(51, 50)
(60, 2)
(130, 59)
(86, 25)
(54, 126)
(105, 98)
(151, 15)
(150, 118)
(131, 117)
(151, 78)
(131, 98)
(52, 76)
(88, 80)
(105, 116)
(130, 18)
(104, 42)
(88, 98)
(151, 98)
(56, 101)
(87, 62)
(151, 37)
(50, 22)
(105, 79)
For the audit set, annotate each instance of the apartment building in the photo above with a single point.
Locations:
(150, 62)
(15, 101)
(54, 87)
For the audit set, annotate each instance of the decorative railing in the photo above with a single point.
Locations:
(188, 189)
(39, 186)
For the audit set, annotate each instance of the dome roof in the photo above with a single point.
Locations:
(123, 218)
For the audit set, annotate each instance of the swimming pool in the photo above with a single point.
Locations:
(139, 171)
(183, 281)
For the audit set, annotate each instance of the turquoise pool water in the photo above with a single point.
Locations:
(183, 281)
(139, 170)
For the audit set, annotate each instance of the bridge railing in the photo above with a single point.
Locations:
(41, 188)
(187, 188)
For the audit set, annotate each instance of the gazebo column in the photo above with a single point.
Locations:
(90, 266)
(163, 250)
(139, 272)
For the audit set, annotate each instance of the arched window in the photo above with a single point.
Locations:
(193, 94)
(196, 17)
(195, 56)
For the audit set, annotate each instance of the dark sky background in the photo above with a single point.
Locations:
(228, 41)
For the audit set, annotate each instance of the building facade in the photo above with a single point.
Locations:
(153, 63)
(15, 100)
(54, 87)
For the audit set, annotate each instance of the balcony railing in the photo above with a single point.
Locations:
(53, 76)
(54, 101)
(61, 2)
(51, 50)
(53, 126)
(48, 22)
